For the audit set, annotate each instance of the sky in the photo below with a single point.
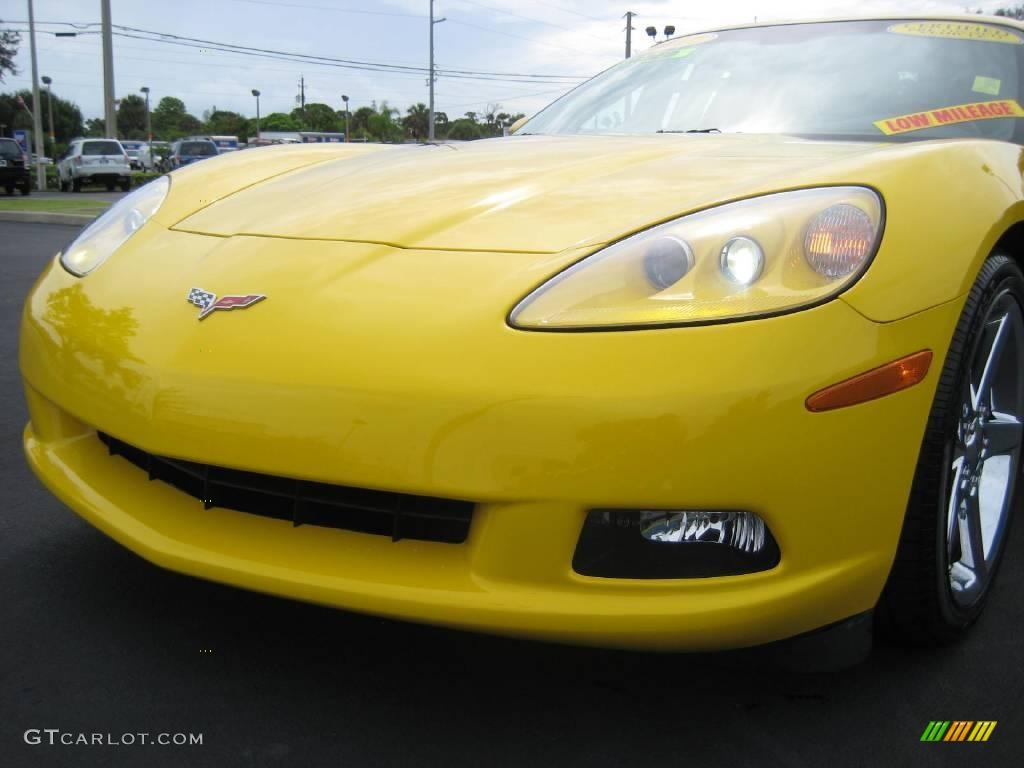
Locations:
(548, 45)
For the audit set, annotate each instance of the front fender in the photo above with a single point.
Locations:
(947, 205)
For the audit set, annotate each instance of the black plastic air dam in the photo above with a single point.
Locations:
(398, 515)
(611, 546)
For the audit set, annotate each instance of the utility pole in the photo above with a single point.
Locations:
(629, 33)
(37, 113)
(302, 95)
(49, 105)
(433, 78)
(109, 115)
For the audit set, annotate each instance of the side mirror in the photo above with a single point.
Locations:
(517, 124)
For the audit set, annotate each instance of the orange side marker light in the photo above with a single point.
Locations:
(873, 384)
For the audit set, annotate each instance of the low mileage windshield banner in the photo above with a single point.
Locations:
(962, 113)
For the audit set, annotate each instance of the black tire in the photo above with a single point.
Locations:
(76, 185)
(110, 186)
(26, 190)
(126, 185)
(9, 191)
(917, 604)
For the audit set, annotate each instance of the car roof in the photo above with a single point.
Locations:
(972, 18)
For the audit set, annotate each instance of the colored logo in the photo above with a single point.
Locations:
(208, 302)
(958, 730)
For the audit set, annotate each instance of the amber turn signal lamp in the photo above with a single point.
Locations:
(878, 382)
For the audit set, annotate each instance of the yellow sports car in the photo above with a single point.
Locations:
(724, 346)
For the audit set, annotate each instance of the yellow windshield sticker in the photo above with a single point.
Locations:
(989, 85)
(957, 30)
(962, 113)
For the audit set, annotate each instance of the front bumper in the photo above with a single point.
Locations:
(536, 428)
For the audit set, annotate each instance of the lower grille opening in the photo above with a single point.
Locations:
(398, 515)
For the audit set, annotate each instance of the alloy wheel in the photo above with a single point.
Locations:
(985, 451)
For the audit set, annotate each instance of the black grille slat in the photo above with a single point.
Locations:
(385, 513)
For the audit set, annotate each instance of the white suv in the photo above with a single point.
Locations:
(97, 161)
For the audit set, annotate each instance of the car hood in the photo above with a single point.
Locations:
(539, 194)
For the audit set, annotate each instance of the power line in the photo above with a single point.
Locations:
(336, 10)
(373, 66)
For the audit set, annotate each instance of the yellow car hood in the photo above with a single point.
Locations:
(538, 194)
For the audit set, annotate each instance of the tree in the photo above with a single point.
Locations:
(1015, 12)
(67, 117)
(224, 123)
(382, 125)
(359, 121)
(9, 40)
(131, 117)
(417, 121)
(279, 121)
(171, 120)
(318, 117)
(464, 129)
(95, 126)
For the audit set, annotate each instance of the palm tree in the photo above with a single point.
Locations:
(417, 121)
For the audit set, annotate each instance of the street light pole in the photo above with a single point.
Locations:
(37, 115)
(257, 95)
(149, 131)
(109, 114)
(430, 119)
(49, 103)
(344, 98)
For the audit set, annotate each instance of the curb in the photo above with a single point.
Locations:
(42, 217)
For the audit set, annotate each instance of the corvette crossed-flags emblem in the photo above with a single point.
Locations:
(208, 302)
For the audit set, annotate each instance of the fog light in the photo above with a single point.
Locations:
(740, 530)
(673, 544)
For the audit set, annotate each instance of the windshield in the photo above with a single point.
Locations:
(855, 80)
(201, 148)
(10, 148)
(102, 148)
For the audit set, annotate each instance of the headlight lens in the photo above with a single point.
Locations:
(110, 231)
(755, 257)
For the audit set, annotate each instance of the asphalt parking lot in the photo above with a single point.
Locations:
(94, 639)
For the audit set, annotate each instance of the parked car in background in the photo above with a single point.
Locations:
(153, 155)
(14, 170)
(132, 148)
(94, 161)
(188, 151)
(225, 143)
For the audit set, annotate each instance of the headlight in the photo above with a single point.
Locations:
(110, 231)
(752, 258)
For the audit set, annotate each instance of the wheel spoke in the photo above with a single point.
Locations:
(1003, 433)
(982, 394)
(972, 546)
(954, 505)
